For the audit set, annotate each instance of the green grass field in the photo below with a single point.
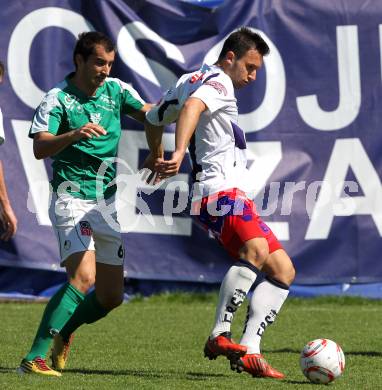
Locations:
(157, 343)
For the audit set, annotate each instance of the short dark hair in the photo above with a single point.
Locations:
(2, 69)
(242, 40)
(88, 40)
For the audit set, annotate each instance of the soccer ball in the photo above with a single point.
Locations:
(322, 361)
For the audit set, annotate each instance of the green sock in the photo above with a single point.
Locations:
(89, 311)
(57, 313)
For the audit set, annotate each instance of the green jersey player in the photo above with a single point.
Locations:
(78, 126)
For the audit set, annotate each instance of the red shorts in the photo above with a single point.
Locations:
(239, 223)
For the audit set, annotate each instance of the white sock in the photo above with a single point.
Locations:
(264, 305)
(233, 290)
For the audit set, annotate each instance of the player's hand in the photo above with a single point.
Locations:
(171, 167)
(89, 130)
(8, 222)
(152, 163)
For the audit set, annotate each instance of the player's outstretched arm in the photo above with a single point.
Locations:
(140, 115)
(8, 219)
(46, 144)
(185, 128)
(154, 141)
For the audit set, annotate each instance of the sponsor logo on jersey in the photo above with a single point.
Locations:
(107, 100)
(218, 86)
(264, 227)
(95, 117)
(85, 228)
(196, 77)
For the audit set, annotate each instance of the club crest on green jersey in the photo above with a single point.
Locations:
(95, 117)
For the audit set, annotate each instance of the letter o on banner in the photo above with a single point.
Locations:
(149, 69)
(21, 42)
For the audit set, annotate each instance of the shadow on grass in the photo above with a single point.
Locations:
(147, 374)
(5, 370)
(202, 375)
(347, 353)
(305, 382)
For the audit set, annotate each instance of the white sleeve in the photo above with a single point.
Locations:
(215, 93)
(152, 116)
(2, 135)
(48, 115)
(166, 111)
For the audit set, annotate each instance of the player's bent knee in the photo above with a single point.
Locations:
(285, 276)
(290, 275)
(87, 280)
(83, 281)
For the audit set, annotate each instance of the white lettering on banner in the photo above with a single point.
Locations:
(265, 157)
(151, 70)
(35, 171)
(275, 87)
(347, 153)
(21, 42)
(130, 144)
(349, 87)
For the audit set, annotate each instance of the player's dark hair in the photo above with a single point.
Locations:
(2, 69)
(243, 40)
(88, 40)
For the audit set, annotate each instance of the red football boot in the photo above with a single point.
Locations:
(256, 365)
(223, 345)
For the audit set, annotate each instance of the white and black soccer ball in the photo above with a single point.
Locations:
(322, 361)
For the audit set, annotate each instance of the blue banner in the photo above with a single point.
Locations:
(312, 122)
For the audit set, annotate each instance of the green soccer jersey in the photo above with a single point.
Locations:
(65, 108)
